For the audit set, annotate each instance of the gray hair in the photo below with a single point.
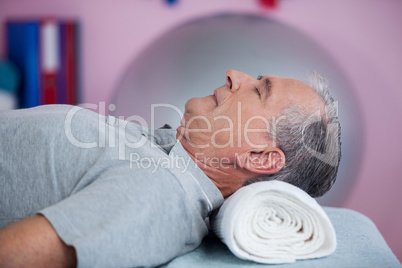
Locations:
(310, 142)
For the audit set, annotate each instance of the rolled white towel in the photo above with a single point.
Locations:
(274, 222)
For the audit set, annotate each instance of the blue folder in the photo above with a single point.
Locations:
(23, 50)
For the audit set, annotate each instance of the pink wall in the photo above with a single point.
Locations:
(363, 37)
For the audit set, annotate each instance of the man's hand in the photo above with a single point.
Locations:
(33, 242)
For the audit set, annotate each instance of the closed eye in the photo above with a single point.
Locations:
(266, 89)
(256, 89)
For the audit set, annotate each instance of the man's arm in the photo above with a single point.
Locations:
(33, 242)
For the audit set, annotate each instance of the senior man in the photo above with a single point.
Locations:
(78, 188)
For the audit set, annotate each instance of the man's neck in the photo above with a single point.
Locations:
(226, 177)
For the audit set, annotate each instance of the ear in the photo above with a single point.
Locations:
(269, 161)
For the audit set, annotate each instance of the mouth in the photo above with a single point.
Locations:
(215, 97)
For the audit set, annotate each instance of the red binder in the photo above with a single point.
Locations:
(49, 63)
(70, 31)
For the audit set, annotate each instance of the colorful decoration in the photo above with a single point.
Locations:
(171, 2)
(268, 3)
(9, 76)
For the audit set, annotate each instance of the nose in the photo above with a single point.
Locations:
(234, 79)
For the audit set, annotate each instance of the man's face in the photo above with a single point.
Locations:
(234, 118)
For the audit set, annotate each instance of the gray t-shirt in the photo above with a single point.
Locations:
(121, 194)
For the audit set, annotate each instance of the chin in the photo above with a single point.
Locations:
(190, 105)
(197, 106)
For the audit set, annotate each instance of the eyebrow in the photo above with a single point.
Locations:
(267, 86)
